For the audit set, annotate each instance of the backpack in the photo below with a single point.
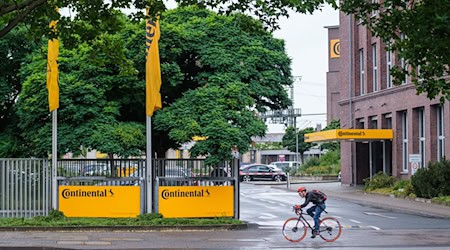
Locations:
(321, 197)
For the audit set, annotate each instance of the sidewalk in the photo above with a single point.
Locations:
(355, 194)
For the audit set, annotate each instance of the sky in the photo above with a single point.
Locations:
(307, 45)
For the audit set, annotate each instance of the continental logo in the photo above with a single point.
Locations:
(166, 194)
(347, 133)
(335, 48)
(67, 193)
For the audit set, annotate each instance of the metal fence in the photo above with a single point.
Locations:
(25, 184)
(25, 187)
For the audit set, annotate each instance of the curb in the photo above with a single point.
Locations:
(222, 227)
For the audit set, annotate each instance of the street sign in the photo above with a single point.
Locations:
(414, 162)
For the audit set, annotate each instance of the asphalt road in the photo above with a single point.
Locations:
(265, 209)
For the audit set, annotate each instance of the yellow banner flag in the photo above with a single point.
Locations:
(52, 71)
(152, 68)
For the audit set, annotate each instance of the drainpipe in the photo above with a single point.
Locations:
(350, 81)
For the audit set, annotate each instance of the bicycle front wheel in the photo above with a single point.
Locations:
(330, 229)
(294, 230)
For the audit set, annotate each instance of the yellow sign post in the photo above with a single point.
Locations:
(350, 134)
(99, 201)
(196, 201)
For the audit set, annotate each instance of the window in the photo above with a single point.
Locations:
(403, 62)
(374, 12)
(421, 137)
(374, 70)
(388, 69)
(361, 71)
(440, 133)
(405, 141)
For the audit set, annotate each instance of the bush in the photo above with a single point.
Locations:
(311, 162)
(432, 181)
(403, 187)
(380, 180)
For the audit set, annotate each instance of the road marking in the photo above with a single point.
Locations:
(356, 221)
(384, 216)
(374, 227)
(267, 216)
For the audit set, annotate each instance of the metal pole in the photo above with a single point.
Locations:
(296, 139)
(148, 165)
(54, 159)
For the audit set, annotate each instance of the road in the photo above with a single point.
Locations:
(264, 208)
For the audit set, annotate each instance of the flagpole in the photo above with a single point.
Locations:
(54, 159)
(148, 162)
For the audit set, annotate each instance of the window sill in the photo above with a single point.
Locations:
(404, 173)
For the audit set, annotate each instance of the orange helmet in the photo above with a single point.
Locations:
(300, 189)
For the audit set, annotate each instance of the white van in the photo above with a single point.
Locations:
(286, 166)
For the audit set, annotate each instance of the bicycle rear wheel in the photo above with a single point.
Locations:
(330, 229)
(294, 230)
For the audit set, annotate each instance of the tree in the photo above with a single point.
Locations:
(99, 93)
(95, 13)
(290, 141)
(334, 124)
(216, 71)
(419, 31)
(227, 68)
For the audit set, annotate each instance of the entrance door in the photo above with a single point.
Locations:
(362, 161)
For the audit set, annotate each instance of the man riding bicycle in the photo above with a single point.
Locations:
(318, 199)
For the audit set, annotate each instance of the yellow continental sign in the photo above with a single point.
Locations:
(196, 201)
(350, 134)
(199, 138)
(99, 201)
(335, 48)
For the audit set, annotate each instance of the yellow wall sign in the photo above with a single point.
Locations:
(335, 48)
(196, 201)
(350, 134)
(99, 201)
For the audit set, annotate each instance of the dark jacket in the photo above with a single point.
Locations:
(313, 197)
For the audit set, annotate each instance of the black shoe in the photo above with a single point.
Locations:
(314, 234)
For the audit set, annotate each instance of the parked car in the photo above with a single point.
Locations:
(177, 177)
(286, 165)
(98, 169)
(261, 172)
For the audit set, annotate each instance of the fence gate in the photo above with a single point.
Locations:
(25, 187)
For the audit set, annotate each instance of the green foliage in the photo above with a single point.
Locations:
(151, 216)
(97, 15)
(425, 41)
(432, 181)
(334, 124)
(321, 170)
(442, 200)
(58, 220)
(379, 180)
(331, 158)
(311, 162)
(403, 188)
(291, 142)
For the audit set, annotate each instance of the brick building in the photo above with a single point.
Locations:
(361, 94)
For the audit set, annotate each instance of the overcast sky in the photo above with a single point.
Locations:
(306, 44)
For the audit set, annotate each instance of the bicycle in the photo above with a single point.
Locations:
(296, 229)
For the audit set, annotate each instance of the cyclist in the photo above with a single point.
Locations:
(318, 199)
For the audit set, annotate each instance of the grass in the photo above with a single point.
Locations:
(442, 200)
(57, 219)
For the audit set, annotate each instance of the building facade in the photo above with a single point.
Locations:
(361, 93)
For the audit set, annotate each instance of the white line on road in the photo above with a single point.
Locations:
(384, 216)
(356, 221)
(374, 227)
(267, 216)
